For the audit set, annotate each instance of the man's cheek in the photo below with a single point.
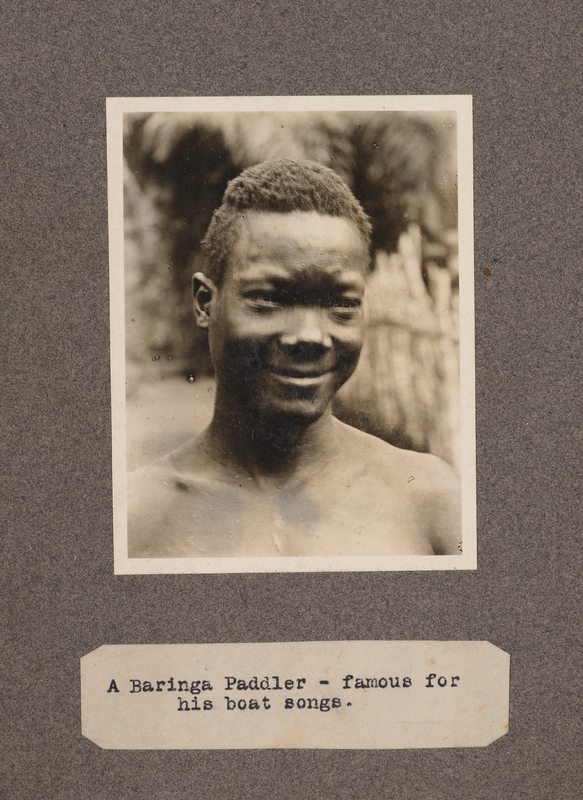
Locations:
(244, 353)
(349, 348)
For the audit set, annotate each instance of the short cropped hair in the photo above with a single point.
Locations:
(279, 186)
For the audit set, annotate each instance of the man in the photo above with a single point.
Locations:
(275, 474)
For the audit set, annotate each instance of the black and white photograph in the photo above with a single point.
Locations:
(292, 334)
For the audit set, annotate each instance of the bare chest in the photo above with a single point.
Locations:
(319, 519)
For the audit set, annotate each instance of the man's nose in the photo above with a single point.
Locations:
(307, 329)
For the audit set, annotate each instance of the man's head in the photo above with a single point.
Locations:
(287, 254)
(279, 186)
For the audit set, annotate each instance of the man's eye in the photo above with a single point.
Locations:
(345, 304)
(264, 300)
(344, 308)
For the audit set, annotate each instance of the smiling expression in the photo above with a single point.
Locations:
(285, 326)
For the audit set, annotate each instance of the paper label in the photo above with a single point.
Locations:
(374, 694)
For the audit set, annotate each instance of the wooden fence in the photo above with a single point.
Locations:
(406, 386)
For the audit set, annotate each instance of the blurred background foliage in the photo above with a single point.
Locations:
(402, 168)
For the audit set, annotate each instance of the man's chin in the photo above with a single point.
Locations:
(293, 412)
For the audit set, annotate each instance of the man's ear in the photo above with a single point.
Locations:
(205, 291)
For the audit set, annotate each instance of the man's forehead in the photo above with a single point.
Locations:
(299, 229)
(309, 275)
(276, 243)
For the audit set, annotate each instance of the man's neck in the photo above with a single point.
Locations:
(276, 451)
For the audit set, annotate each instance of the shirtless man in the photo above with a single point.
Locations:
(275, 474)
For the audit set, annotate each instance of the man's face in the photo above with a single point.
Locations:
(285, 327)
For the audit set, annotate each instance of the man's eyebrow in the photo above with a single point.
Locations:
(348, 284)
(274, 280)
(340, 273)
(279, 282)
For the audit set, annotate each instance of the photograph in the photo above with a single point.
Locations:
(292, 334)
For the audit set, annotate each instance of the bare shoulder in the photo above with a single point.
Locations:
(427, 469)
(431, 483)
(150, 494)
(154, 500)
(150, 486)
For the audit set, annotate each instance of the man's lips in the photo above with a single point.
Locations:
(297, 372)
(300, 377)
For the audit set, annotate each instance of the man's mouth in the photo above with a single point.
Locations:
(298, 372)
(298, 376)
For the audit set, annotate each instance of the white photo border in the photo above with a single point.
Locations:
(459, 104)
